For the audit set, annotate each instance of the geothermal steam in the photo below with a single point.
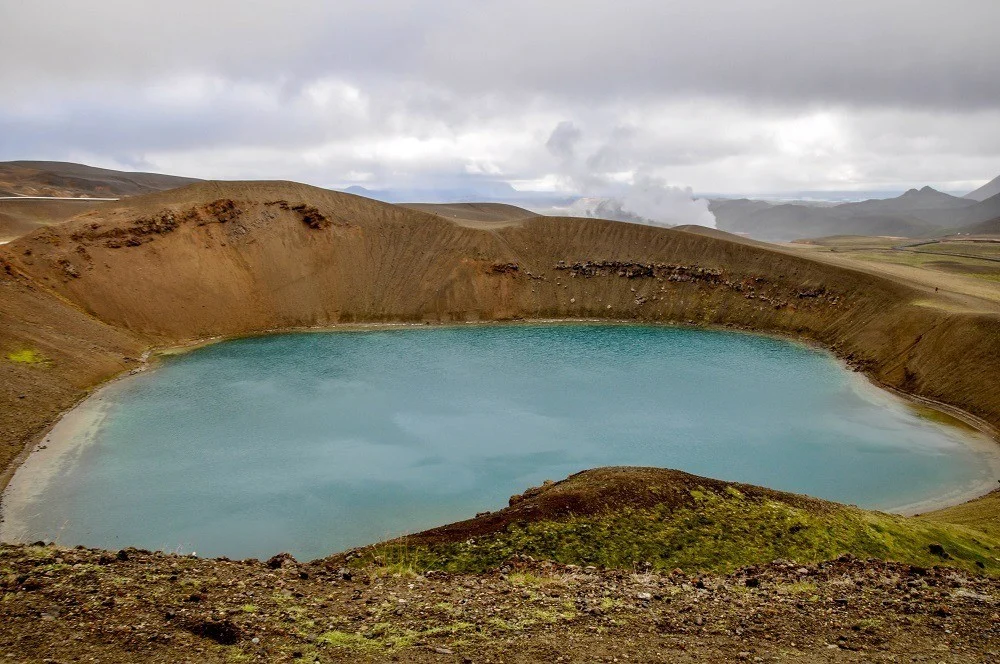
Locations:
(625, 191)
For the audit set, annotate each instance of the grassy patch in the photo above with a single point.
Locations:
(348, 641)
(798, 588)
(386, 637)
(396, 559)
(27, 356)
(720, 532)
(979, 249)
(982, 514)
(962, 265)
(553, 617)
(868, 625)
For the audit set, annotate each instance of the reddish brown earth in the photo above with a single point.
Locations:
(67, 605)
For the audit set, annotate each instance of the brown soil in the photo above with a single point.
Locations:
(475, 215)
(20, 217)
(64, 605)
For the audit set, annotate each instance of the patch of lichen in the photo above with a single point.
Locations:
(720, 532)
(27, 356)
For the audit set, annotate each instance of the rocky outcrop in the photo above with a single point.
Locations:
(309, 214)
(504, 268)
(146, 228)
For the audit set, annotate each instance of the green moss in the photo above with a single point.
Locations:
(27, 356)
(798, 588)
(554, 617)
(387, 637)
(720, 532)
(981, 514)
(348, 641)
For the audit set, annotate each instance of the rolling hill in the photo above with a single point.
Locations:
(52, 179)
(988, 227)
(476, 214)
(58, 178)
(18, 217)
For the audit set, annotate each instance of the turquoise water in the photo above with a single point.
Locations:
(313, 443)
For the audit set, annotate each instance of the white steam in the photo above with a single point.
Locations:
(614, 189)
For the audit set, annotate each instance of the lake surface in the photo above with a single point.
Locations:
(316, 442)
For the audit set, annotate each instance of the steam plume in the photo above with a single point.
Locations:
(636, 196)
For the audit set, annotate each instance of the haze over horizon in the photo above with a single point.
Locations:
(644, 104)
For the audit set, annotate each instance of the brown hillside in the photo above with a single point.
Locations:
(60, 178)
(71, 352)
(217, 259)
(18, 217)
(475, 214)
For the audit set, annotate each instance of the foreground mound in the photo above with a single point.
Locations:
(652, 518)
(639, 541)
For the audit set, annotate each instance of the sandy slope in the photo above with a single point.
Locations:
(18, 217)
(475, 215)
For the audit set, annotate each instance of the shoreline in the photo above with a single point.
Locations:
(82, 420)
(62, 446)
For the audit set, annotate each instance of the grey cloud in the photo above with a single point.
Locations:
(722, 95)
(888, 52)
(563, 139)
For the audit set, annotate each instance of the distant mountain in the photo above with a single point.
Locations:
(916, 212)
(915, 200)
(988, 190)
(979, 213)
(59, 178)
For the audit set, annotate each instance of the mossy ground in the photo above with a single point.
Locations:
(27, 356)
(980, 514)
(719, 532)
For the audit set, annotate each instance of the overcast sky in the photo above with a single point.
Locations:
(579, 96)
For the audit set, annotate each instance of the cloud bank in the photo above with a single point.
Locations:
(722, 96)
